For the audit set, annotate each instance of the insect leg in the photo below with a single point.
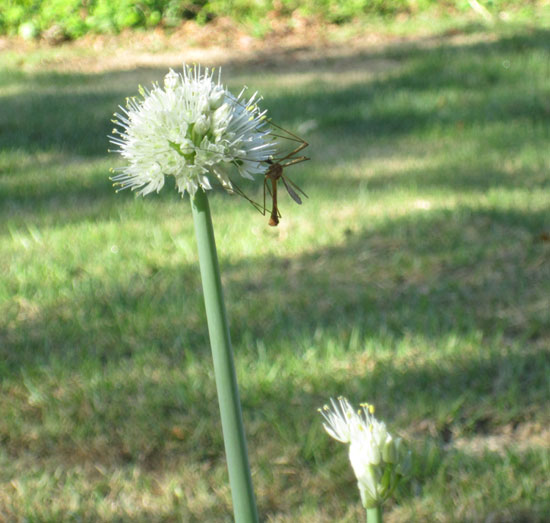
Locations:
(237, 190)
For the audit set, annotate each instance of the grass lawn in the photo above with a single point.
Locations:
(415, 277)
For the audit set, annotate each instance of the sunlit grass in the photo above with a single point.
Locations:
(415, 277)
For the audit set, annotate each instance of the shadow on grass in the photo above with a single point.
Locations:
(431, 274)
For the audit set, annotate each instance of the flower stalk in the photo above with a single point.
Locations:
(244, 504)
(374, 515)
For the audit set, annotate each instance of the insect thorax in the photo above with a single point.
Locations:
(275, 171)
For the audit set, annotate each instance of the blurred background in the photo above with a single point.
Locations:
(415, 277)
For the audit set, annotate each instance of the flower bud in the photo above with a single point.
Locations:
(202, 125)
(221, 116)
(171, 80)
(217, 96)
(203, 106)
(389, 451)
(186, 146)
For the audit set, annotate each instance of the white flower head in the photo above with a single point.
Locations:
(377, 459)
(192, 128)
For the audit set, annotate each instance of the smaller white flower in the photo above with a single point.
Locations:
(375, 456)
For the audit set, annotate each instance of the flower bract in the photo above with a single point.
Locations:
(192, 128)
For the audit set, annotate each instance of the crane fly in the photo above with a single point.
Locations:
(275, 172)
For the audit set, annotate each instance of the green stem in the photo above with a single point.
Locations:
(374, 515)
(244, 504)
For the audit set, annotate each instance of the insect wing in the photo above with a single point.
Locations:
(294, 186)
(292, 192)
